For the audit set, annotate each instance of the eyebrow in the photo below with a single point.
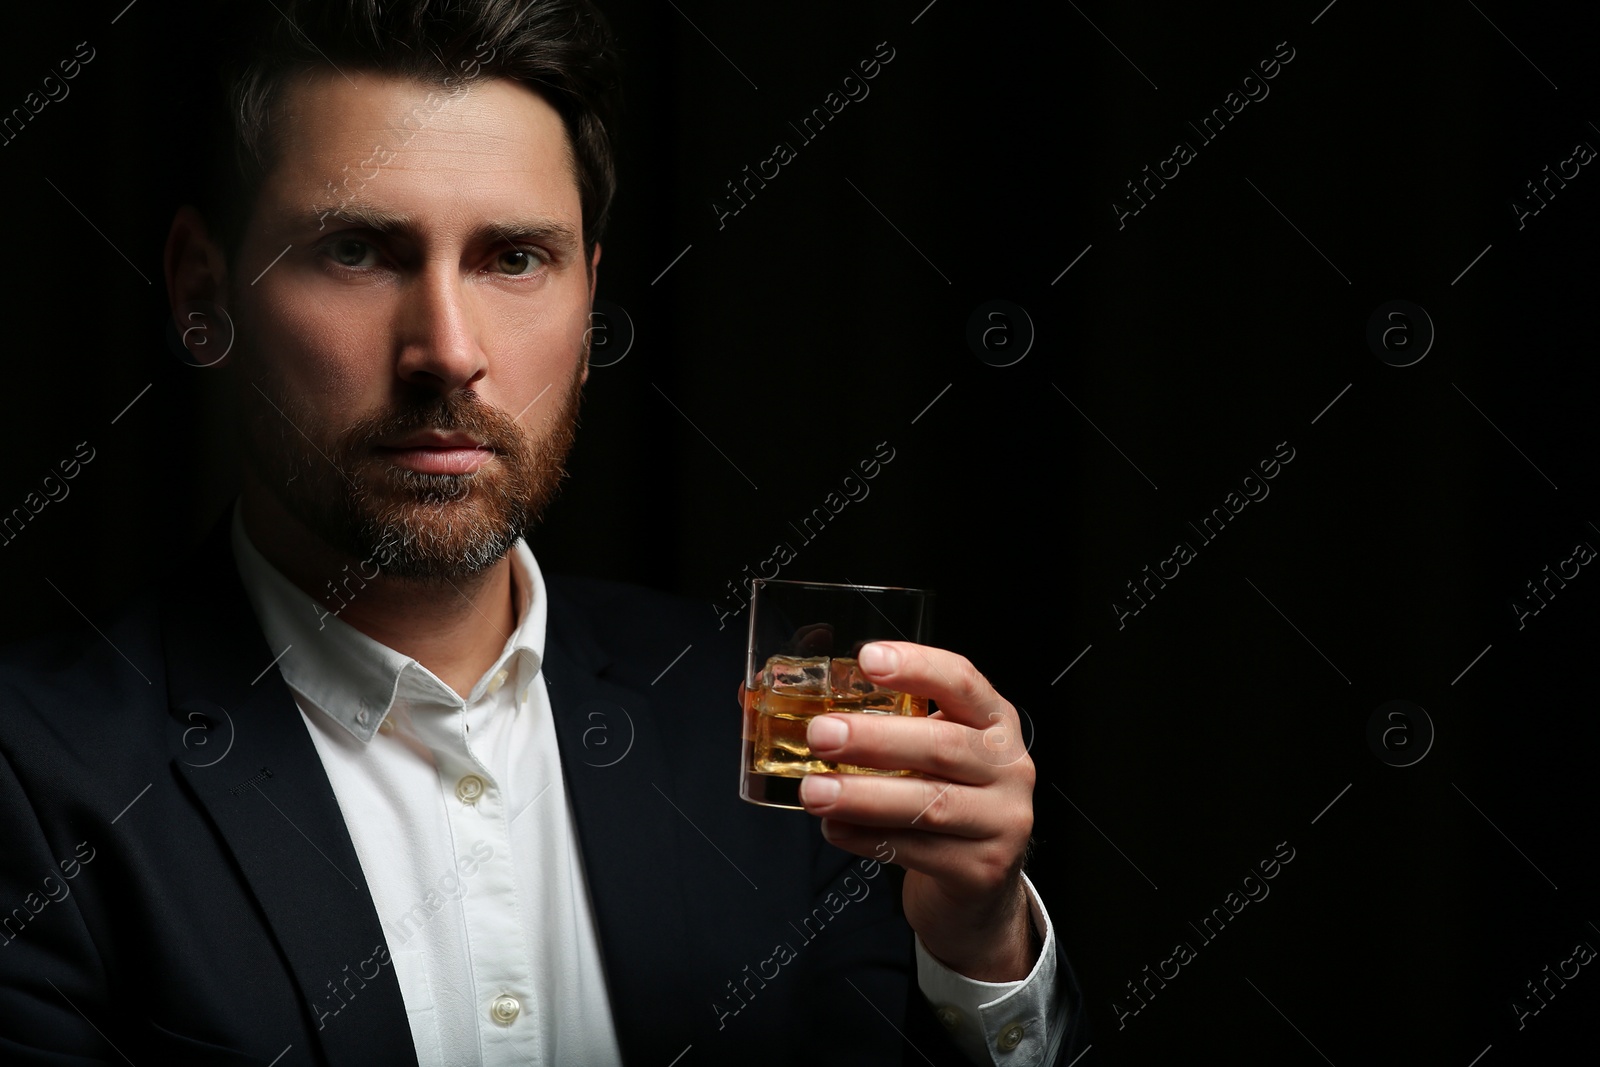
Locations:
(543, 230)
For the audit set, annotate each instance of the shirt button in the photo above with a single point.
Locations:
(386, 726)
(1010, 1037)
(468, 790)
(498, 680)
(504, 1010)
(949, 1018)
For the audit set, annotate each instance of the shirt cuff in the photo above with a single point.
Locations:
(1000, 1024)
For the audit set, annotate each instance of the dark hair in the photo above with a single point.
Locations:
(563, 49)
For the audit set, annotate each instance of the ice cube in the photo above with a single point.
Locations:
(798, 675)
(851, 686)
(846, 680)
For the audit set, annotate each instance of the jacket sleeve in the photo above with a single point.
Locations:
(862, 996)
(865, 1002)
(51, 984)
(1026, 1023)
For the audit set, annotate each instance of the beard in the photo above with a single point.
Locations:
(430, 528)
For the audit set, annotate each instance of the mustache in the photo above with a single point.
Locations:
(455, 413)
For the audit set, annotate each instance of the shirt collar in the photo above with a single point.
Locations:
(352, 678)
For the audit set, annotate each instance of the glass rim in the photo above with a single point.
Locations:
(756, 583)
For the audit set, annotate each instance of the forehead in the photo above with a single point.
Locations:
(480, 148)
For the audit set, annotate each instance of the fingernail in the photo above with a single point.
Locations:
(819, 789)
(826, 733)
(878, 659)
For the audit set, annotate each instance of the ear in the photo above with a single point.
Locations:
(197, 288)
(594, 279)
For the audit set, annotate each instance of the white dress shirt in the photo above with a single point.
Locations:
(459, 816)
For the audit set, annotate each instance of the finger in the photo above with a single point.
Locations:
(948, 859)
(936, 747)
(908, 803)
(962, 693)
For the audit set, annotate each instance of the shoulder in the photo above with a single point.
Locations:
(86, 676)
(636, 632)
(81, 712)
(620, 601)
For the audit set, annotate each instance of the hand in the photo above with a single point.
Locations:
(961, 830)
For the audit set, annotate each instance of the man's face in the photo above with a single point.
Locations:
(412, 360)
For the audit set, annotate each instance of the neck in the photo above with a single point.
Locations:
(456, 628)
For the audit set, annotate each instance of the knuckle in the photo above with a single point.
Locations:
(999, 865)
(1026, 773)
(1000, 743)
(946, 751)
(936, 805)
(1001, 857)
(879, 738)
(994, 866)
(971, 683)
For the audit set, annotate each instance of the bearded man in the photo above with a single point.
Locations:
(334, 793)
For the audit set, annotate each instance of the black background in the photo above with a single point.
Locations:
(831, 314)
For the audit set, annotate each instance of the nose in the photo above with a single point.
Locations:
(437, 332)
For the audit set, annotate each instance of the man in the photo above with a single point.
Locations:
(362, 785)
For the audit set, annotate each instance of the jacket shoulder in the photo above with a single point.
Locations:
(601, 597)
(83, 681)
(625, 628)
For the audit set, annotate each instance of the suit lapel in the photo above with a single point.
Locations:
(239, 742)
(619, 786)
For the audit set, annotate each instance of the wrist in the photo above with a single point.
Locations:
(1001, 946)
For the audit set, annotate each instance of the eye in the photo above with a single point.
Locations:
(518, 261)
(350, 252)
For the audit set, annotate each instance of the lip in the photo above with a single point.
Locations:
(435, 439)
(432, 452)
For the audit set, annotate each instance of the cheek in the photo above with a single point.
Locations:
(578, 324)
(322, 353)
(545, 346)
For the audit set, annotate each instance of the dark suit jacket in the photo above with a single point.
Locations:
(177, 884)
